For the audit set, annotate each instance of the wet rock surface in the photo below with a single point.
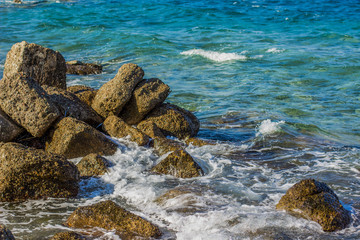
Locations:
(5, 234)
(68, 236)
(81, 68)
(93, 165)
(164, 145)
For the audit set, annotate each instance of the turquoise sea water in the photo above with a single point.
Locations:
(275, 82)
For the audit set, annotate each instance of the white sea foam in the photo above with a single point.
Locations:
(215, 56)
(268, 127)
(274, 50)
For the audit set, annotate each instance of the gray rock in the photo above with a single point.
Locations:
(9, 130)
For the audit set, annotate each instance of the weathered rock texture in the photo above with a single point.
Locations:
(73, 138)
(109, 215)
(113, 95)
(9, 130)
(174, 121)
(164, 145)
(25, 102)
(80, 68)
(316, 201)
(93, 165)
(45, 66)
(5, 234)
(179, 164)
(147, 95)
(68, 236)
(84, 93)
(198, 142)
(116, 127)
(71, 106)
(28, 173)
(150, 129)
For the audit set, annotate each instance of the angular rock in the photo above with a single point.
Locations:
(93, 165)
(71, 106)
(174, 121)
(109, 215)
(68, 236)
(45, 66)
(150, 129)
(80, 68)
(316, 201)
(9, 130)
(73, 138)
(164, 145)
(147, 95)
(28, 173)
(25, 102)
(179, 164)
(5, 234)
(116, 127)
(198, 142)
(113, 95)
(84, 93)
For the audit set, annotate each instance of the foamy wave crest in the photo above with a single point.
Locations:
(215, 56)
(274, 50)
(268, 127)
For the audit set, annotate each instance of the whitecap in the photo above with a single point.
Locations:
(274, 50)
(268, 127)
(215, 56)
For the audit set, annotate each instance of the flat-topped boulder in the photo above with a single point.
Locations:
(93, 165)
(68, 236)
(44, 65)
(314, 200)
(28, 173)
(147, 95)
(27, 103)
(9, 130)
(109, 215)
(113, 95)
(84, 93)
(81, 68)
(74, 138)
(5, 234)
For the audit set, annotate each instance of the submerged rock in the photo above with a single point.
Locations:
(93, 165)
(150, 129)
(25, 102)
(109, 215)
(9, 130)
(84, 93)
(68, 236)
(198, 142)
(164, 145)
(5, 234)
(179, 164)
(316, 201)
(74, 138)
(28, 173)
(80, 68)
(113, 95)
(147, 95)
(44, 65)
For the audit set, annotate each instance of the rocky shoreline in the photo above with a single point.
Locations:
(43, 123)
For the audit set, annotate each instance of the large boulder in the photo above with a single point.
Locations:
(68, 236)
(71, 106)
(147, 95)
(93, 165)
(174, 121)
(116, 127)
(25, 102)
(29, 173)
(179, 164)
(150, 129)
(113, 95)
(84, 93)
(109, 215)
(45, 66)
(9, 130)
(74, 138)
(80, 68)
(314, 200)
(5, 234)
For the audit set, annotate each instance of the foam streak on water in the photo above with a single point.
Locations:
(215, 56)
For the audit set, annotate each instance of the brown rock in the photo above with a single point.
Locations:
(5, 234)
(164, 145)
(314, 200)
(150, 129)
(25, 102)
(9, 130)
(116, 127)
(80, 68)
(109, 215)
(28, 173)
(93, 165)
(147, 95)
(68, 236)
(198, 142)
(179, 164)
(113, 95)
(84, 93)
(73, 138)
(45, 66)
(71, 106)
(174, 121)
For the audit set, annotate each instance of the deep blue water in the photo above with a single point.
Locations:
(277, 81)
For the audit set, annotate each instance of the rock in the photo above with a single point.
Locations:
(179, 164)
(198, 142)
(45, 66)
(164, 145)
(68, 236)
(74, 138)
(93, 165)
(113, 95)
(5, 234)
(150, 129)
(71, 106)
(25, 102)
(84, 93)
(147, 95)
(28, 173)
(16, 1)
(116, 127)
(316, 201)
(174, 121)
(109, 215)
(80, 68)
(9, 130)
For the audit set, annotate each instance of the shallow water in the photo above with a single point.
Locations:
(274, 82)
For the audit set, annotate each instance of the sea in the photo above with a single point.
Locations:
(275, 83)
